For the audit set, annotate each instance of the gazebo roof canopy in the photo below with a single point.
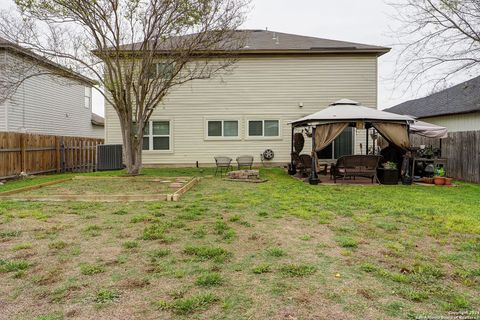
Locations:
(350, 111)
(429, 130)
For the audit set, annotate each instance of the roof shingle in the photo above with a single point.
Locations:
(462, 98)
(271, 41)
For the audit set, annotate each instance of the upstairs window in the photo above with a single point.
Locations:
(88, 97)
(222, 128)
(162, 70)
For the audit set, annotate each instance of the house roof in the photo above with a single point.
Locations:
(98, 120)
(462, 98)
(264, 41)
(8, 45)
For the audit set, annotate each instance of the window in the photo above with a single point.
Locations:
(341, 146)
(88, 97)
(263, 128)
(222, 128)
(162, 70)
(157, 136)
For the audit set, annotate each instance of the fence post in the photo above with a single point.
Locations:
(57, 154)
(62, 154)
(23, 153)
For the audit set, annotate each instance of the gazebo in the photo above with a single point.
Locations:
(329, 123)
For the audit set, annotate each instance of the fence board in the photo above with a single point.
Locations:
(461, 149)
(33, 153)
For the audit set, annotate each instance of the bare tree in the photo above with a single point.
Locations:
(137, 50)
(439, 40)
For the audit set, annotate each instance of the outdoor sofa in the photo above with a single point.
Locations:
(356, 166)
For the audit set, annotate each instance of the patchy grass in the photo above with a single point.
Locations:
(13, 265)
(293, 270)
(282, 249)
(190, 305)
(263, 268)
(106, 295)
(91, 269)
(209, 279)
(205, 253)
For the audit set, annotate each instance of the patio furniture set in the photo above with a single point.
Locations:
(352, 166)
(224, 164)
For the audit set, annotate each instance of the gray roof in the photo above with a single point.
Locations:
(462, 98)
(270, 41)
(8, 45)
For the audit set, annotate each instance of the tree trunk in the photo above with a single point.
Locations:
(132, 148)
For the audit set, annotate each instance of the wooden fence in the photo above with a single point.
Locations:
(462, 150)
(33, 154)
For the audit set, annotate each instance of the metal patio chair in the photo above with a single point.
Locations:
(222, 163)
(245, 161)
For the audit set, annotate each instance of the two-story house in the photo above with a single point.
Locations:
(278, 77)
(45, 104)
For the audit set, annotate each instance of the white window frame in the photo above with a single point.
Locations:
(151, 136)
(222, 137)
(157, 70)
(87, 95)
(263, 137)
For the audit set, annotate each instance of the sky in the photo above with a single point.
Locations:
(363, 21)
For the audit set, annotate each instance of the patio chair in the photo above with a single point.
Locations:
(306, 161)
(245, 161)
(222, 163)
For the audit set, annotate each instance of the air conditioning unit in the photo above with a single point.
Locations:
(109, 157)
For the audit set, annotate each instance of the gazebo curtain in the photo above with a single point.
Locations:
(326, 133)
(395, 133)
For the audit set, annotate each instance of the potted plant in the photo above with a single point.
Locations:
(428, 153)
(388, 174)
(448, 181)
(439, 178)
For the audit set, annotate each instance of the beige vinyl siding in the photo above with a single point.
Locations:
(50, 106)
(268, 88)
(457, 122)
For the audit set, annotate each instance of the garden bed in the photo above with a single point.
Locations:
(105, 189)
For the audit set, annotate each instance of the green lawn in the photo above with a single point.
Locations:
(228, 250)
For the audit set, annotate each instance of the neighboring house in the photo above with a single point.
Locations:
(279, 77)
(457, 108)
(43, 104)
